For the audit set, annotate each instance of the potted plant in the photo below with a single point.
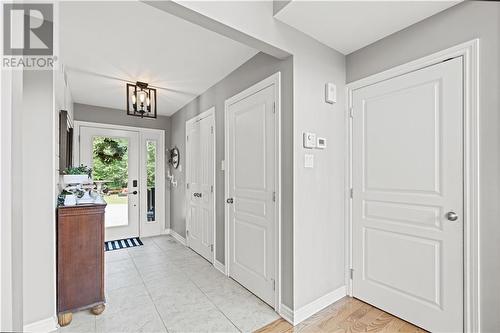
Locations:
(77, 175)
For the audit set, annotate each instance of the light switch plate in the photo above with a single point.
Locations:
(309, 140)
(308, 161)
(330, 93)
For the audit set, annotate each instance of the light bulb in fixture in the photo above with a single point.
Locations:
(134, 99)
(142, 96)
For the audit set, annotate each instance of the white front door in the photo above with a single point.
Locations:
(200, 179)
(114, 158)
(407, 208)
(251, 147)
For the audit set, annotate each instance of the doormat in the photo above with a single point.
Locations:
(122, 243)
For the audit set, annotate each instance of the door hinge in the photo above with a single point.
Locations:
(187, 233)
(274, 196)
(351, 192)
(274, 107)
(351, 112)
(274, 284)
(212, 129)
(212, 248)
(351, 273)
(187, 186)
(211, 188)
(187, 138)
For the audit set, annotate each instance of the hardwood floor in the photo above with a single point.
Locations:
(347, 315)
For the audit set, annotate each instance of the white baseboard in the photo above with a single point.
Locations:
(308, 310)
(219, 266)
(42, 326)
(286, 313)
(177, 237)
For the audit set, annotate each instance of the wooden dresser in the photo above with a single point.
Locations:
(80, 260)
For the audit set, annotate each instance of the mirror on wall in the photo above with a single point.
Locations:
(174, 158)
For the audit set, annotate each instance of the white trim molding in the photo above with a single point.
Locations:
(274, 79)
(42, 326)
(176, 236)
(469, 51)
(286, 313)
(299, 315)
(220, 266)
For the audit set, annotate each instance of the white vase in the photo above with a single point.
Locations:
(75, 179)
(69, 200)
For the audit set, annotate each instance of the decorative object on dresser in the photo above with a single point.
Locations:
(80, 260)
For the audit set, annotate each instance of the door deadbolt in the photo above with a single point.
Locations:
(230, 200)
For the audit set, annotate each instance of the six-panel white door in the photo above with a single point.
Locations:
(408, 196)
(200, 179)
(251, 172)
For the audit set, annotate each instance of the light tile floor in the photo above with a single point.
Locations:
(164, 286)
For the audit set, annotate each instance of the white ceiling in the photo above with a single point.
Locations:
(347, 26)
(105, 43)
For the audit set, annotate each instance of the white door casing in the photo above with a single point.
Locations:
(407, 174)
(130, 225)
(200, 179)
(252, 183)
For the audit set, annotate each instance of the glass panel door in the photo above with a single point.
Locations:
(110, 165)
(114, 157)
(151, 180)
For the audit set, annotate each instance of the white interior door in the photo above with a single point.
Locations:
(408, 196)
(200, 179)
(122, 176)
(251, 188)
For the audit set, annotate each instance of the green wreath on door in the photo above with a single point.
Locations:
(109, 151)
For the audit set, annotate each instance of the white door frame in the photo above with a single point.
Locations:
(469, 51)
(276, 80)
(143, 136)
(205, 114)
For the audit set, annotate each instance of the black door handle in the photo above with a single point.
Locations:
(134, 193)
(230, 200)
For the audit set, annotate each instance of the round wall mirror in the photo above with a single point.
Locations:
(175, 157)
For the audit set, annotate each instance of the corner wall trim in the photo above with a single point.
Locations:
(177, 237)
(42, 326)
(220, 266)
(286, 313)
(319, 304)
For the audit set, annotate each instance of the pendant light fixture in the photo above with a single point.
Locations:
(141, 100)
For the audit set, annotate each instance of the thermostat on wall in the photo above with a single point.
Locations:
(321, 143)
(309, 140)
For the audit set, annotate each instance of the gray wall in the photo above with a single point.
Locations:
(461, 23)
(39, 200)
(98, 114)
(254, 70)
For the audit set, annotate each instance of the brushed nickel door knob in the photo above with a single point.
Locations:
(452, 216)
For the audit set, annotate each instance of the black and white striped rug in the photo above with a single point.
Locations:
(122, 243)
